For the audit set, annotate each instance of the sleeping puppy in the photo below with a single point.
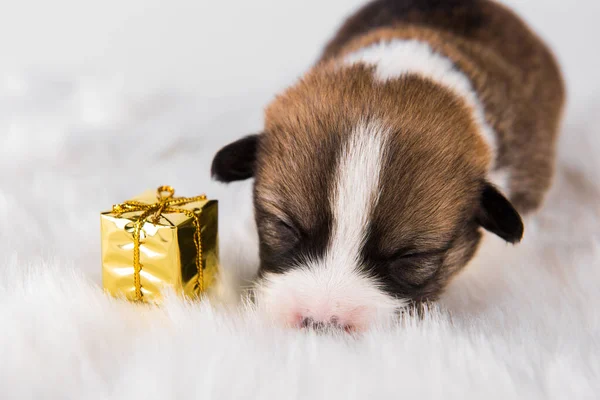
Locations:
(424, 123)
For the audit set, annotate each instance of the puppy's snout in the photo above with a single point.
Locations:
(320, 297)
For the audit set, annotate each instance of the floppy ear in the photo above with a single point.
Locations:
(498, 216)
(235, 162)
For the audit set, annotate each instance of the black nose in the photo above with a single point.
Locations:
(309, 322)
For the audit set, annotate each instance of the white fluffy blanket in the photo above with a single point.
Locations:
(521, 322)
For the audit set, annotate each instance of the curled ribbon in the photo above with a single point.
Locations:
(167, 204)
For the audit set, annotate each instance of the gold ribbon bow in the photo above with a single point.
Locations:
(167, 204)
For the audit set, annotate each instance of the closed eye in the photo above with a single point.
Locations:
(415, 255)
(415, 268)
(280, 234)
(288, 227)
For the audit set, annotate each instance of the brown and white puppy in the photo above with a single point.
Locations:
(424, 122)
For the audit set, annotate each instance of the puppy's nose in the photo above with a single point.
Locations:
(309, 322)
(317, 325)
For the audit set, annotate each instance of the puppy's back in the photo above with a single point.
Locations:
(514, 74)
(461, 17)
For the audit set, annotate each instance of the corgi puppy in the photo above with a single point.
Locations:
(423, 124)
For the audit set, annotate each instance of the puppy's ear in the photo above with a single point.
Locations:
(498, 216)
(235, 162)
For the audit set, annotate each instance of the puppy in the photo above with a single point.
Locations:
(424, 123)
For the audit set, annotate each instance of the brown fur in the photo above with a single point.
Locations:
(515, 76)
(313, 118)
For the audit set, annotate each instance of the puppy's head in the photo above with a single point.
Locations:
(368, 196)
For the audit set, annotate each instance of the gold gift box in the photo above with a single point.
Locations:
(150, 242)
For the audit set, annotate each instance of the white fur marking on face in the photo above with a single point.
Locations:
(356, 191)
(398, 58)
(335, 286)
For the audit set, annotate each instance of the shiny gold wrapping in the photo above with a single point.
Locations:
(167, 249)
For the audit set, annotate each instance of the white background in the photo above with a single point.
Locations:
(100, 100)
(221, 47)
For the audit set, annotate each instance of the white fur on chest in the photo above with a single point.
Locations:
(398, 58)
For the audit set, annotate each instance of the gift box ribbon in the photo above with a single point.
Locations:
(167, 204)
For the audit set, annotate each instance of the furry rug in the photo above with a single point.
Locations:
(520, 322)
